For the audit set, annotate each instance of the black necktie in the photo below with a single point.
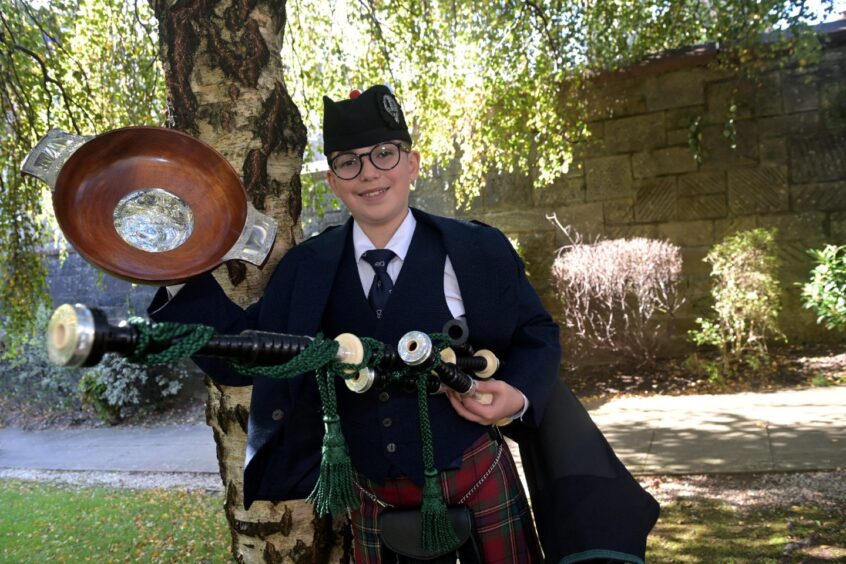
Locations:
(382, 285)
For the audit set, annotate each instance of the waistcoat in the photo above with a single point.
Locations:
(382, 425)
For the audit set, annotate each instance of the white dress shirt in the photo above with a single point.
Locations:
(399, 244)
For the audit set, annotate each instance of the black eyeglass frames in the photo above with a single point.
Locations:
(384, 156)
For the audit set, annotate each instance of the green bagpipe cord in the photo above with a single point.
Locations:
(335, 491)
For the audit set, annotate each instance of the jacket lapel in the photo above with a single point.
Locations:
(471, 263)
(314, 279)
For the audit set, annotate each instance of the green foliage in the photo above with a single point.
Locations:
(85, 66)
(704, 368)
(30, 377)
(820, 381)
(825, 293)
(48, 523)
(115, 384)
(92, 392)
(504, 86)
(746, 296)
(109, 387)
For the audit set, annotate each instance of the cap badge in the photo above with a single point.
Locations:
(391, 106)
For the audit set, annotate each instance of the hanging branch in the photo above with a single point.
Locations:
(379, 36)
(544, 28)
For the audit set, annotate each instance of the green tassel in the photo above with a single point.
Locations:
(335, 489)
(438, 534)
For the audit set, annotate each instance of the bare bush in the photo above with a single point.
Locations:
(617, 293)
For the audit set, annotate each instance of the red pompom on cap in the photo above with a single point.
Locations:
(355, 93)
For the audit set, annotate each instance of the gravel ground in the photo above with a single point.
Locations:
(133, 480)
(740, 490)
(753, 490)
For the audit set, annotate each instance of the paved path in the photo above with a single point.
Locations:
(782, 431)
(178, 448)
(761, 432)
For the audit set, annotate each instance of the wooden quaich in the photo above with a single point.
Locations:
(149, 204)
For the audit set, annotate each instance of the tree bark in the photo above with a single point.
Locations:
(225, 86)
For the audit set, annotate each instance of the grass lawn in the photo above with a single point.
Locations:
(49, 523)
(706, 530)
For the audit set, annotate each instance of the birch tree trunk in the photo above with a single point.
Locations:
(225, 86)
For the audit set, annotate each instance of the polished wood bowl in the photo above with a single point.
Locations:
(117, 163)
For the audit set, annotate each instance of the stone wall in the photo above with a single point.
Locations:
(72, 280)
(638, 176)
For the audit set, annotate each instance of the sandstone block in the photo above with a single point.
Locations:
(618, 211)
(688, 233)
(838, 228)
(706, 206)
(699, 183)
(648, 230)
(792, 124)
(682, 118)
(435, 194)
(616, 97)
(729, 226)
(800, 92)
(635, 133)
(826, 196)
(760, 96)
(679, 137)
(562, 191)
(794, 258)
(773, 151)
(675, 89)
(817, 158)
(655, 200)
(586, 219)
(693, 259)
(807, 226)
(661, 162)
(716, 149)
(757, 190)
(507, 191)
(833, 103)
(518, 221)
(608, 177)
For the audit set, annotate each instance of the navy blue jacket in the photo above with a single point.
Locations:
(503, 313)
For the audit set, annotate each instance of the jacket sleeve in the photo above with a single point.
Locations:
(533, 357)
(203, 301)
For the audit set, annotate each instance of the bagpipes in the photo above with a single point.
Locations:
(79, 336)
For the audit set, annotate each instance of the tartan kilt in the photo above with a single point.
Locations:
(500, 509)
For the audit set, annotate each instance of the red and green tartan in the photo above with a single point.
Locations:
(501, 512)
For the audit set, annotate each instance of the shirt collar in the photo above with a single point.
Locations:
(399, 243)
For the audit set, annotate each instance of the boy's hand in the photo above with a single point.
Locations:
(507, 402)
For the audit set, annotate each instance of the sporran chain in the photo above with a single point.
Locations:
(385, 505)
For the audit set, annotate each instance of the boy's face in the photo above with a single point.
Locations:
(377, 197)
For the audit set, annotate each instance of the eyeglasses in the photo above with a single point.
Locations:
(384, 157)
